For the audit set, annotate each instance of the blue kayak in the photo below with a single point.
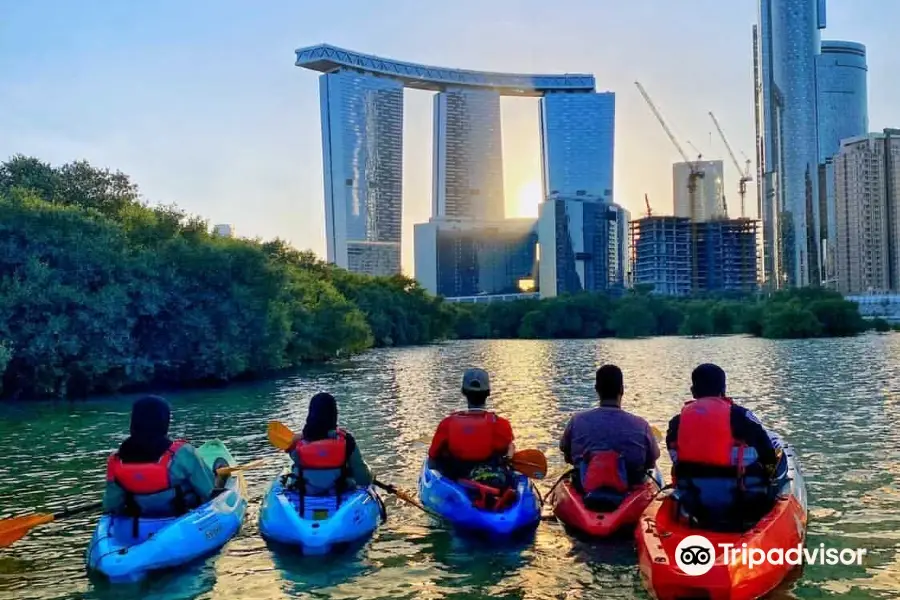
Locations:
(324, 523)
(163, 543)
(453, 502)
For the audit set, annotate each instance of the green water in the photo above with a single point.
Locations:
(838, 401)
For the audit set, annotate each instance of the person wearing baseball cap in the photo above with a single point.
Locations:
(473, 443)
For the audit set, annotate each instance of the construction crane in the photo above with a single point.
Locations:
(695, 174)
(647, 203)
(744, 174)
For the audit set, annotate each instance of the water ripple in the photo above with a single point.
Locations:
(838, 401)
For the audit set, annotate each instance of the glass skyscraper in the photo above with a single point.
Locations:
(362, 144)
(577, 144)
(362, 131)
(841, 78)
(468, 155)
(787, 45)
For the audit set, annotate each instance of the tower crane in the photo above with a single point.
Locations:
(695, 174)
(745, 173)
(647, 203)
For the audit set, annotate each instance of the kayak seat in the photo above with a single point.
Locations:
(719, 504)
(487, 497)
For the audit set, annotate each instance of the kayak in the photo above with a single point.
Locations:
(568, 506)
(783, 527)
(168, 542)
(451, 501)
(324, 523)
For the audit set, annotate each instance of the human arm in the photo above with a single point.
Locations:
(565, 442)
(359, 470)
(113, 498)
(672, 437)
(189, 469)
(652, 449)
(748, 429)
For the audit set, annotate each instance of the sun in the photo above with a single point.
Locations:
(528, 198)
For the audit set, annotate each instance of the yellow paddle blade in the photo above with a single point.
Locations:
(14, 529)
(280, 435)
(531, 463)
(656, 433)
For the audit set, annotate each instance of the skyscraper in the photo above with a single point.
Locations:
(362, 144)
(867, 202)
(577, 144)
(362, 131)
(708, 194)
(580, 228)
(841, 75)
(468, 155)
(788, 42)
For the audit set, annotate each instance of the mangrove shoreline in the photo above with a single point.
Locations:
(101, 292)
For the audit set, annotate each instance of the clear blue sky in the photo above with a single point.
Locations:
(200, 103)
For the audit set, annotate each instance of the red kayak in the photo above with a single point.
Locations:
(568, 506)
(660, 532)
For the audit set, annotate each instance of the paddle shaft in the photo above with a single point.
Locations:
(68, 512)
(404, 496)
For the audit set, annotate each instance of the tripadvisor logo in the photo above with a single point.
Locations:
(695, 555)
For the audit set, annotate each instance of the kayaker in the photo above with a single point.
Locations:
(471, 445)
(151, 475)
(723, 458)
(612, 449)
(326, 458)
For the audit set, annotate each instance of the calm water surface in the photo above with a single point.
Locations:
(838, 401)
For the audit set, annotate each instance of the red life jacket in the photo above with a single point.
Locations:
(470, 435)
(330, 453)
(604, 470)
(142, 479)
(704, 433)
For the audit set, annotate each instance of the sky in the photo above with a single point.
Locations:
(200, 101)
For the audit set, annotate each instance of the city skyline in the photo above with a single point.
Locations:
(229, 131)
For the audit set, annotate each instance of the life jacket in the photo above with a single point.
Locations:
(470, 436)
(143, 479)
(603, 470)
(705, 436)
(320, 467)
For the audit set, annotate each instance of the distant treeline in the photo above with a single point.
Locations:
(799, 313)
(100, 292)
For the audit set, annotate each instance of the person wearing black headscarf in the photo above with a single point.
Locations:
(322, 426)
(191, 481)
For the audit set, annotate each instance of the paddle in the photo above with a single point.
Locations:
(15, 528)
(530, 463)
(281, 436)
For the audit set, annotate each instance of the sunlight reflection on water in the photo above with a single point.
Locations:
(838, 401)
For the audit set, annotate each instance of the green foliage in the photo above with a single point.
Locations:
(880, 325)
(809, 312)
(100, 292)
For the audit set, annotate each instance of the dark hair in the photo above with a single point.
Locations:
(708, 380)
(610, 383)
(476, 398)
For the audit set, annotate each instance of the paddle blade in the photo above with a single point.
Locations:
(656, 433)
(280, 435)
(531, 463)
(12, 530)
